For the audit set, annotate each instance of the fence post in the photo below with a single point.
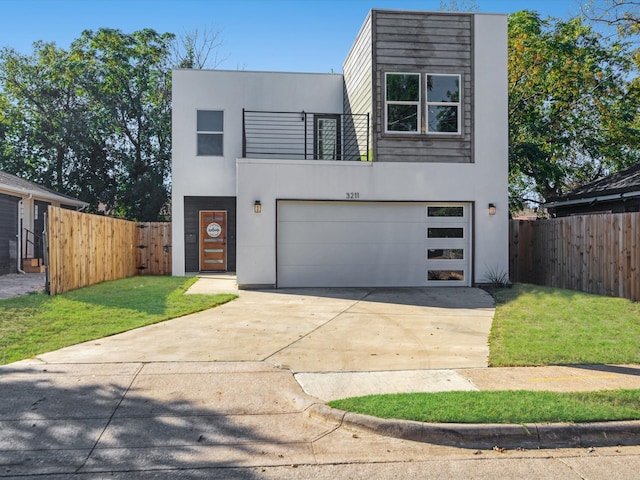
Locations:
(45, 253)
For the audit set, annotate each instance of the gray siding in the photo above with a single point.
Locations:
(8, 234)
(358, 82)
(422, 42)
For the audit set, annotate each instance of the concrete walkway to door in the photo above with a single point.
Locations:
(335, 341)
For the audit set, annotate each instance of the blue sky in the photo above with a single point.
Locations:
(277, 35)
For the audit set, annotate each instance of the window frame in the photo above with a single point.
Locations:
(417, 103)
(209, 132)
(457, 105)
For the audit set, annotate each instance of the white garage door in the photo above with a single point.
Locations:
(369, 244)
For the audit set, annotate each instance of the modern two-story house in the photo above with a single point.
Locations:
(393, 173)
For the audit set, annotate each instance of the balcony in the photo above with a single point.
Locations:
(305, 136)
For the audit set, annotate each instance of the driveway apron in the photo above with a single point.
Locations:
(316, 330)
(336, 342)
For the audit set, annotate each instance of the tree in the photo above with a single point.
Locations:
(571, 106)
(93, 122)
(49, 127)
(5, 125)
(130, 90)
(197, 49)
(624, 15)
(458, 6)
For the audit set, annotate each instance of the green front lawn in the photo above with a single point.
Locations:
(535, 326)
(549, 326)
(37, 323)
(499, 407)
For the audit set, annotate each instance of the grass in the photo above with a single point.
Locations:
(37, 323)
(549, 326)
(535, 326)
(499, 407)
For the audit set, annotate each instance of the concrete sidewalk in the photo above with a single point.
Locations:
(248, 420)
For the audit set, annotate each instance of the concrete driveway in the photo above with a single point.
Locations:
(336, 341)
(317, 330)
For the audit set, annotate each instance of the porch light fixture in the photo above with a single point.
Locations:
(257, 207)
(492, 209)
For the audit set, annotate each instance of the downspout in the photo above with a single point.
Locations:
(20, 215)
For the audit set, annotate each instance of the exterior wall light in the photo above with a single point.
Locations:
(257, 207)
(492, 209)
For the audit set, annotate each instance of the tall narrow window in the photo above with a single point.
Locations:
(443, 104)
(402, 102)
(210, 132)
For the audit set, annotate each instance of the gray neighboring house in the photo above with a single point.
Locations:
(22, 208)
(615, 193)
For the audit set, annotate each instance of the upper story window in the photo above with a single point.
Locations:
(443, 103)
(402, 102)
(210, 127)
(404, 111)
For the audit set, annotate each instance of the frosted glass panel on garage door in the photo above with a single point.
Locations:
(448, 252)
(351, 244)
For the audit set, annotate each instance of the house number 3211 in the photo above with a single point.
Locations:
(353, 195)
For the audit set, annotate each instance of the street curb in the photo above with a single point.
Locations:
(530, 436)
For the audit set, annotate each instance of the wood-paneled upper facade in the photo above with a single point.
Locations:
(413, 73)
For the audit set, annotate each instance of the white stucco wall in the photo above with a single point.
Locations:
(231, 91)
(270, 180)
(491, 141)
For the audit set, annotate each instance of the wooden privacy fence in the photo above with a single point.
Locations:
(85, 249)
(153, 252)
(592, 253)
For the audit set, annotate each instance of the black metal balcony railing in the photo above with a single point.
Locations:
(305, 135)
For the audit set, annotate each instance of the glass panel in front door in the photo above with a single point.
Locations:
(327, 136)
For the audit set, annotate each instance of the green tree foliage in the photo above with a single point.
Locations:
(48, 126)
(624, 15)
(130, 89)
(94, 121)
(571, 106)
(5, 126)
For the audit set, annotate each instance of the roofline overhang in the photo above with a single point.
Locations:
(594, 199)
(25, 192)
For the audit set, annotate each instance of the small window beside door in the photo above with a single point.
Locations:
(210, 127)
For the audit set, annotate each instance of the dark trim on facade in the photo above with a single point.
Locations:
(8, 233)
(622, 205)
(192, 208)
